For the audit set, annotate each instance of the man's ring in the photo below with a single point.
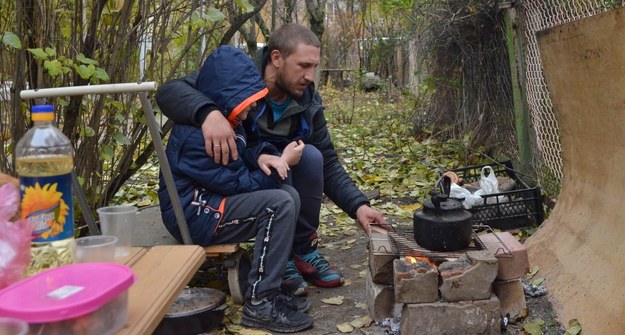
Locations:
(216, 145)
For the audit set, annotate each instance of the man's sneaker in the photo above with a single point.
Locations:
(293, 280)
(302, 304)
(275, 314)
(318, 270)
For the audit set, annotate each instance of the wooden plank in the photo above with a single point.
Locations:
(134, 256)
(216, 250)
(162, 272)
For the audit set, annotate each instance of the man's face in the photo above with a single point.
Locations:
(298, 69)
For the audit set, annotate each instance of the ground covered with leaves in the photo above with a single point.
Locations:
(373, 134)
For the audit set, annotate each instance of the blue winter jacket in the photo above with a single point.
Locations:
(228, 77)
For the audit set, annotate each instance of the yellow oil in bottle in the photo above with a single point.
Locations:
(44, 163)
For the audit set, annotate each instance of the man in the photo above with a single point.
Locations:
(294, 112)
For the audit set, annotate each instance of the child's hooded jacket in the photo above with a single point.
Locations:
(230, 79)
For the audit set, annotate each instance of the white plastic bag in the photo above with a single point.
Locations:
(488, 184)
(458, 192)
(14, 238)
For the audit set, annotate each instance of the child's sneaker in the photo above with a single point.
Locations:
(302, 304)
(318, 270)
(275, 314)
(293, 280)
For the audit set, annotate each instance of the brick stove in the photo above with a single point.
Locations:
(435, 292)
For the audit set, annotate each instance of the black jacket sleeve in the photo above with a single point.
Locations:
(338, 185)
(180, 101)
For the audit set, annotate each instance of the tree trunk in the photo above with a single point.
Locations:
(316, 14)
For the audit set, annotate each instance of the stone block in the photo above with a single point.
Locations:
(470, 277)
(380, 300)
(513, 261)
(480, 317)
(381, 258)
(511, 297)
(415, 283)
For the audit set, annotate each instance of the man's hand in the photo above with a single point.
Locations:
(266, 162)
(219, 138)
(366, 215)
(293, 152)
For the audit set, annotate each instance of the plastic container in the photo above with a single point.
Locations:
(76, 299)
(96, 248)
(12, 326)
(522, 207)
(44, 161)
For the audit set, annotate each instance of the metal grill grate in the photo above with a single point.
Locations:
(403, 244)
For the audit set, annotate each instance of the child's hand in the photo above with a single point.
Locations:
(266, 162)
(293, 152)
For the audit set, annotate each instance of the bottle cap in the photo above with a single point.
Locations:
(42, 113)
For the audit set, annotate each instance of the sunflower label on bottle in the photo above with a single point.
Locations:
(44, 161)
(45, 206)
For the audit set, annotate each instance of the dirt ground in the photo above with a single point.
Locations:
(352, 262)
(335, 307)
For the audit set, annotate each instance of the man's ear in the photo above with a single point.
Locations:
(276, 58)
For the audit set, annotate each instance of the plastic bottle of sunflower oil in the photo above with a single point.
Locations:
(44, 162)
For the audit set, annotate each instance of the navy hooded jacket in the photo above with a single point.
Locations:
(232, 81)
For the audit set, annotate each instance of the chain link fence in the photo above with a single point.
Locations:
(539, 15)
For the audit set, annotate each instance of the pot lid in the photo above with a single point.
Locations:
(194, 300)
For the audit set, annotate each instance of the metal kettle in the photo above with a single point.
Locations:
(443, 224)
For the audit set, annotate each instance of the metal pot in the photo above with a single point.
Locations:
(197, 310)
(443, 225)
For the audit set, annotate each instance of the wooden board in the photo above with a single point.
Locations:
(162, 272)
(579, 249)
(216, 250)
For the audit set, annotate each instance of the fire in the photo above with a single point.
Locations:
(416, 259)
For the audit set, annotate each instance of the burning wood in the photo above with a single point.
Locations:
(416, 259)
(409, 265)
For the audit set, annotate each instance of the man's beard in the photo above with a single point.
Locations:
(284, 88)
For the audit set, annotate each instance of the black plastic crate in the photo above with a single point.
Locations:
(522, 207)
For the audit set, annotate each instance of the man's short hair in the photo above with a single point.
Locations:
(286, 38)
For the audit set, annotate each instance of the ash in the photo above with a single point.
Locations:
(391, 325)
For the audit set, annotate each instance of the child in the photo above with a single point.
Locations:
(246, 198)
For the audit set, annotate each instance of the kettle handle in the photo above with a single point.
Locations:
(436, 199)
(444, 183)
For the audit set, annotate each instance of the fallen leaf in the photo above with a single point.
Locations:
(533, 272)
(362, 274)
(574, 327)
(345, 328)
(411, 207)
(360, 322)
(538, 281)
(338, 300)
(347, 282)
(361, 305)
(144, 202)
(535, 327)
(355, 266)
